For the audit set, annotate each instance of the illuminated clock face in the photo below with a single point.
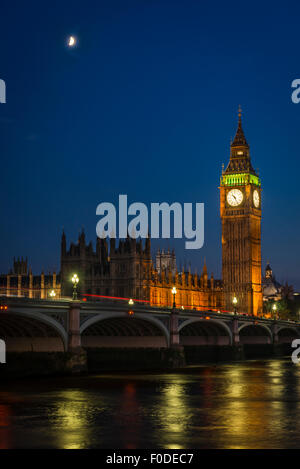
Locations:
(235, 197)
(256, 198)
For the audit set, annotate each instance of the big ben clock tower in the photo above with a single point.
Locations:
(240, 208)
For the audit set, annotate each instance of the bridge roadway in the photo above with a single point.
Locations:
(66, 325)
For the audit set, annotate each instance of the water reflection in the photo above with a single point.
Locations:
(173, 414)
(248, 405)
(254, 406)
(70, 417)
(128, 417)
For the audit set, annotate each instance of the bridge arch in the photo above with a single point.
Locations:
(200, 331)
(118, 329)
(32, 331)
(287, 333)
(255, 334)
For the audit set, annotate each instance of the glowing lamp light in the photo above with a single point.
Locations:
(274, 307)
(131, 302)
(130, 312)
(235, 301)
(207, 317)
(4, 307)
(174, 291)
(52, 294)
(75, 279)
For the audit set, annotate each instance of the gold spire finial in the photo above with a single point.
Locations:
(240, 112)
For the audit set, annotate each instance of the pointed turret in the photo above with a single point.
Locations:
(81, 243)
(204, 271)
(148, 245)
(204, 274)
(189, 277)
(81, 238)
(239, 139)
(239, 153)
(196, 279)
(112, 243)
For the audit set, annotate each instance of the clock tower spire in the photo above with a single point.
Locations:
(240, 138)
(240, 210)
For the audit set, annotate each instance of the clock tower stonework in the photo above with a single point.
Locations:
(240, 209)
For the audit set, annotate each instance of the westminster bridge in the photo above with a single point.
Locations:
(65, 325)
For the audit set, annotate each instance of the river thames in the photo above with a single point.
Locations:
(254, 404)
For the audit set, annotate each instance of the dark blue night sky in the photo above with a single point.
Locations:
(145, 106)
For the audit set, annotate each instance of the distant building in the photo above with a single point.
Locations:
(21, 282)
(273, 290)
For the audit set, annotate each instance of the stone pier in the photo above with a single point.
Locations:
(175, 353)
(77, 356)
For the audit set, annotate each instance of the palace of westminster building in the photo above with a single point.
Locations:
(127, 270)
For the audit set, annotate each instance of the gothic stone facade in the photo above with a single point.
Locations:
(127, 271)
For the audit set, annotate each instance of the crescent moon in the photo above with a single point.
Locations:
(71, 41)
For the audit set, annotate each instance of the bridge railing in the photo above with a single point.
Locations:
(7, 301)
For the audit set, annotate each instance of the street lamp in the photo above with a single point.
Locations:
(52, 294)
(75, 281)
(274, 307)
(131, 302)
(234, 301)
(174, 291)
